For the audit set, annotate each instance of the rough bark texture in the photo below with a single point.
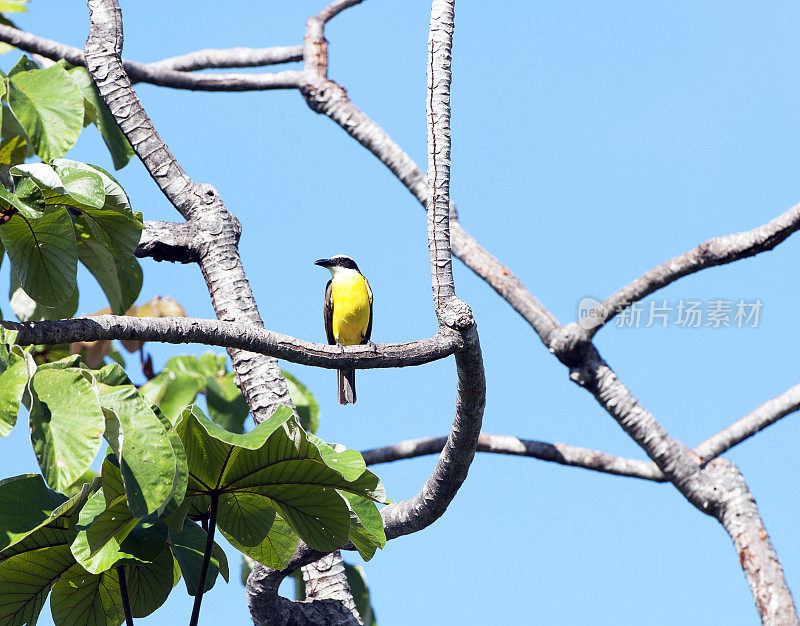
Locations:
(237, 336)
(217, 231)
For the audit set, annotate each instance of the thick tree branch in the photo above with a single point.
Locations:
(325, 579)
(236, 335)
(217, 231)
(440, 43)
(168, 241)
(542, 450)
(767, 414)
(163, 73)
(716, 251)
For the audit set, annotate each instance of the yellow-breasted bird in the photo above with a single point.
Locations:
(348, 314)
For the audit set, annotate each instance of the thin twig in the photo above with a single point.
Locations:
(515, 446)
(201, 584)
(758, 419)
(123, 590)
(161, 73)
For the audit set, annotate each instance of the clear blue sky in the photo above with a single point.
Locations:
(591, 141)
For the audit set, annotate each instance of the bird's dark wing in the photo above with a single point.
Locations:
(369, 324)
(327, 311)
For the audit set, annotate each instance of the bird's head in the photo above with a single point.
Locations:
(338, 264)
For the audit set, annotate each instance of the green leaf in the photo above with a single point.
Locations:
(43, 255)
(226, 404)
(27, 205)
(98, 113)
(67, 424)
(13, 382)
(173, 391)
(49, 107)
(357, 580)
(82, 598)
(151, 467)
(29, 503)
(275, 549)
(28, 310)
(366, 525)
(23, 64)
(81, 182)
(16, 146)
(188, 546)
(120, 280)
(149, 584)
(30, 565)
(107, 532)
(304, 401)
(275, 467)
(26, 579)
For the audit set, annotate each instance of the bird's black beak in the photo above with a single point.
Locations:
(323, 262)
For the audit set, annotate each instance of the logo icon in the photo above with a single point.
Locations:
(591, 313)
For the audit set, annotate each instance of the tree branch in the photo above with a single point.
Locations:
(716, 251)
(236, 335)
(767, 414)
(166, 74)
(542, 450)
(217, 231)
(219, 58)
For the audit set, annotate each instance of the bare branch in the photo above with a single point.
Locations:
(334, 8)
(162, 74)
(440, 43)
(767, 414)
(542, 450)
(219, 58)
(236, 335)
(716, 251)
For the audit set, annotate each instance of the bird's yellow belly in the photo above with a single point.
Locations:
(350, 310)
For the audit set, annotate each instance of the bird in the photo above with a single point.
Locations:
(347, 312)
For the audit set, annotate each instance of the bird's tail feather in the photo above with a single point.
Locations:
(347, 386)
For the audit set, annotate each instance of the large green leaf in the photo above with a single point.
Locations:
(49, 107)
(67, 424)
(43, 255)
(275, 549)
(121, 280)
(26, 579)
(100, 116)
(188, 546)
(87, 599)
(35, 559)
(149, 584)
(28, 503)
(13, 382)
(273, 467)
(28, 310)
(152, 467)
(107, 532)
